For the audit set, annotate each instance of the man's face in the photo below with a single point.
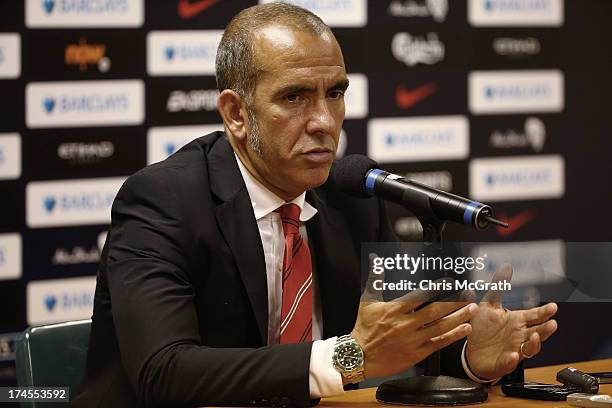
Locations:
(298, 107)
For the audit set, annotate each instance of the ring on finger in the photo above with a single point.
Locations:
(525, 355)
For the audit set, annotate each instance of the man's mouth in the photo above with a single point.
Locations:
(319, 155)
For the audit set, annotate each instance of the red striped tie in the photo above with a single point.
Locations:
(296, 311)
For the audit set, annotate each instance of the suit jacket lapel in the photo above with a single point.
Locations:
(337, 264)
(237, 222)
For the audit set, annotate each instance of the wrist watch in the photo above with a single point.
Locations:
(348, 359)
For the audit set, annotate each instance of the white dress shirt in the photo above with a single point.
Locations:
(324, 380)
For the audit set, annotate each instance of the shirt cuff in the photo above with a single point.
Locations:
(324, 380)
(468, 371)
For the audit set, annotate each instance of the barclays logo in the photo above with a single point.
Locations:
(48, 104)
(91, 201)
(84, 103)
(50, 302)
(49, 203)
(389, 140)
(10, 156)
(518, 91)
(170, 148)
(86, 6)
(515, 13)
(55, 300)
(198, 52)
(48, 6)
(83, 13)
(169, 53)
(68, 301)
(420, 138)
(72, 202)
(517, 5)
(182, 52)
(10, 256)
(519, 178)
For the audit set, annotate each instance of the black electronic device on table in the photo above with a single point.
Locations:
(539, 391)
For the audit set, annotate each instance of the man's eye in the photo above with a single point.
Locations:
(292, 97)
(336, 94)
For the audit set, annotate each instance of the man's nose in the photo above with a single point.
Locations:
(321, 119)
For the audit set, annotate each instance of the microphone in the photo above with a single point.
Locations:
(360, 176)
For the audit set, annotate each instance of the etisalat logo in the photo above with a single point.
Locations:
(436, 9)
(516, 47)
(422, 263)
(412, 49)
(193, 100)
(83, 152)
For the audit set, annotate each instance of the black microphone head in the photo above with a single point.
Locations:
(349, 173)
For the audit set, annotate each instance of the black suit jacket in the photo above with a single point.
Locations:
(180, 310)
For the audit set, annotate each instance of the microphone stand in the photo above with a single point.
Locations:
(430, 388)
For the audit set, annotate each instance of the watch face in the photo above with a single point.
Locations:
(348, 357)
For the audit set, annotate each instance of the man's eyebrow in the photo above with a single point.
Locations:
(341, 85)
(291, 89)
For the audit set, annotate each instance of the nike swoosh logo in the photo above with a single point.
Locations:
(515, 223)
(188, 10)
(408, 98)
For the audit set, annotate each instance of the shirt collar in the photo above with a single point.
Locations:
(264, 201)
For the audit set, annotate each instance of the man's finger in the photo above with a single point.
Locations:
(538, 315)
(504, 273)
(544, 330)
(449, 322)
(436, 311)
(436, 343)
(410, 301)
(509, 361)
(532, 346)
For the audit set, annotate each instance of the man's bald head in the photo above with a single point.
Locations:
(237, 67)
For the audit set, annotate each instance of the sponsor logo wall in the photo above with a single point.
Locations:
(464, 95)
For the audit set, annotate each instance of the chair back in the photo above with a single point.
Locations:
(53, 355)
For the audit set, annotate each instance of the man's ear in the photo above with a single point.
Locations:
(232, 110)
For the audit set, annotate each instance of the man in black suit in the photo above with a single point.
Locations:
(188, 300)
